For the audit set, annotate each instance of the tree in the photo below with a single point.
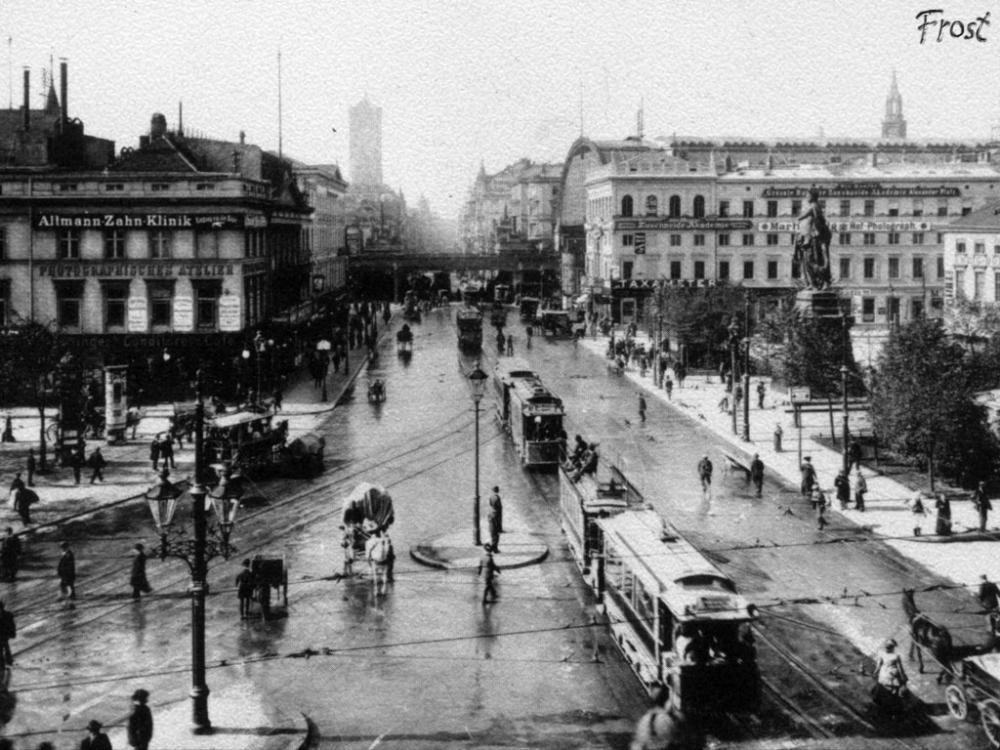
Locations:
(698, 316)
(817, 348)
(922, 403)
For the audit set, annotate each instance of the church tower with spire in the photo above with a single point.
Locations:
(894, 126)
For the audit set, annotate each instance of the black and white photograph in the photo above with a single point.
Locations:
(497, 376)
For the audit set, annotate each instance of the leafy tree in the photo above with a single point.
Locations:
(697, 317)
(922, 403)
(817, 348)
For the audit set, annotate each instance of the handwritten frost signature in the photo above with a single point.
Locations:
(955, 29)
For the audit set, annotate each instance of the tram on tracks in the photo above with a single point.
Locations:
(677, 619)
(469, 321)
(530, 413)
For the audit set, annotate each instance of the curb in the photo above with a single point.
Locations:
(524, 560)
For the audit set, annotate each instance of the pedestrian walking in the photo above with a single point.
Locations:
(95, 739)
(778, 432)
(705, 473)
(279, 397)
(140, 721)
(8, 430)
(154, 452)
(66, 570)
(760, 394)
(377, 551)
(664, 726)
(489, 570)
(860, 489)
(244, 589)
(757, 474)
(942, 524)
(493, 524)
(31, 467)
(854, 455)
(982, 504)
(510, 345)
(496, 505)
(167, 450)
(347, 543)
(808, 476)
(819, 504)
(77, 459)
(8, 631)
(918, 511)
(668, 386)
(642, 408)
(23, 500)
(97, 463)
(889, 673)
(137, 577)
(842, 485)
(989, 594)
(16, 485)
(10, 555)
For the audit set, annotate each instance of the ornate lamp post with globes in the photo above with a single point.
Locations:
(477, 386)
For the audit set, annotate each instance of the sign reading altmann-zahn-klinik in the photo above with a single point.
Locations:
(201, 222)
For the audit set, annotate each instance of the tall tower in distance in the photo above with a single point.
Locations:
(894, 126)
(366, 145)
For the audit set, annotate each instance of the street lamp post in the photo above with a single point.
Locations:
(323, 346)
(477, 384)
(162, 498)
(844, 371)
(734, 342)
(746, 372)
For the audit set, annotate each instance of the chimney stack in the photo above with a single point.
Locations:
(180, 118)
(26, 114)
(63, 85)
(243, 137)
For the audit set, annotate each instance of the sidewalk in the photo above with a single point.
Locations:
(886, 513)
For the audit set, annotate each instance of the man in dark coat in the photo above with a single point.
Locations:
(989, 594)
(757, 474)
(843, 488)
(154, 452)
(496, 506)
(854, 455)
(66, 569)
(97, 463)
(705, 472)
(8, 630)
(167, 449)
(245, 589)
(77, 459)
(489, 570)
(982, 504)
(10, 555)
(23, 499)
(808, 476)
(95, 739)
(137, 577)
(140, 721)
(31, 466)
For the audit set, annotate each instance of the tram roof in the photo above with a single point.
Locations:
(513, 367)
(469, 313)
(666, 563)
(238, 418)
(532, 391)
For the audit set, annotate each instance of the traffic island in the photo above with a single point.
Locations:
(455, 551)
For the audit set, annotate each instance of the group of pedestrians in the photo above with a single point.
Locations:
(847, 488)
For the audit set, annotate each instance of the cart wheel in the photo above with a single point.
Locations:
(958, 705)
(989, 715)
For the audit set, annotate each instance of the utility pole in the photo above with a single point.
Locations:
(843, 375)
(746, 370)
(734, 342)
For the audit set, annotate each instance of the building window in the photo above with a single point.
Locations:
(772, 238)
(978, 280)
(943, 210)
(699, 269)
(772, 209)
(869, 238)
(940, 266)
(159, 187)
(4, 301)
(206, 244)
(723, 209)
(675, 240)
(979, 248)
(918, 238)
(69, 243)
(206, 308)
(959, 283)
(3, 243)
(114, 244)
(674, 206)
(748, 269)
(893, 268)
(917, 308)
(723, 240)
(869, 208)
(747, 240)
(772, 269)
(996, 286)
(627, 205)
(748, 209)
(161, 304)
(69, 301)
(204, 186)
(159, 244)
(115, 302)
(699, 207)
(966, 210)
(868, 309)
(627, 266)
(918, 268)
(796, 207)
(996, 250)
(845, 268)
(114, 187)
(627, 240)
(893, 238)
(845, 238)
(651, 205)
(869, 268)
(724, 269)
(67, 187)
(845, 208)
(675, 269)
(959, 247)
(699, 240)
(894, 211)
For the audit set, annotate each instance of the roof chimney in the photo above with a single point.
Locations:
(180, 118)
(157, 126)
(243, 137)
(27, 99)
(63, 84)
(874, 158)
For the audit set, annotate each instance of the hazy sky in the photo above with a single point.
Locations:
(494, 81)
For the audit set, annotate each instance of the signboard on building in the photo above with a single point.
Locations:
(157, 220)
(632, 284)
(77, 269)
(137, 314)
(865, 189)
(640, 243)
(725, 225)
(850, 226)
(230, 313)
(800, 393)
(183, 314)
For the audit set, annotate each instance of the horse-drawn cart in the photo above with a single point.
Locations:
(975, 682)
(269, 572)
(404, 340)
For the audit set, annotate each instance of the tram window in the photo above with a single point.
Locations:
(644, 605)
(612, 568)
(628, 584)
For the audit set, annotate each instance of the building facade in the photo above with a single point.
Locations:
(365, 122)
(972, 272)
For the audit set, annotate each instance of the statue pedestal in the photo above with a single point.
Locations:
(816, 303)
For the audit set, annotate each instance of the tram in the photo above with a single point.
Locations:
(501, 293)
(531, 414)
(528, 308)
(676, 618)
(470, 328)
(250, 441)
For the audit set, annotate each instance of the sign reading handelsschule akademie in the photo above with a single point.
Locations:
(201, 222)
(865, 189)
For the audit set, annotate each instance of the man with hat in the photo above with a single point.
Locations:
(489, 570)
(66, 570)
(140, 721)
(137, 578)
(95, 739)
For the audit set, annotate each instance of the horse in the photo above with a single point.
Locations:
(925, 633)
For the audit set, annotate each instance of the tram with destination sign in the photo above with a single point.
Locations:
(469, 321)
(529, 412)
(677, 619)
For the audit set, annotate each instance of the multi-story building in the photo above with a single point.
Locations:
(972, 271)
(365, 121)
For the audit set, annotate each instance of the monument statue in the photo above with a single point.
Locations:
(812, 244)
